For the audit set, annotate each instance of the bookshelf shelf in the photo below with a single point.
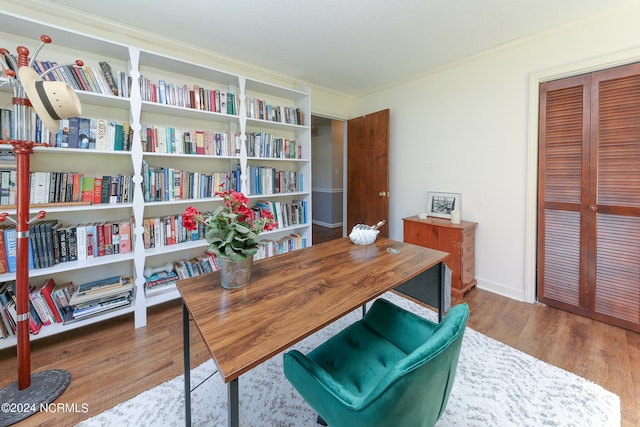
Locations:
(57, 328)
(145, 69)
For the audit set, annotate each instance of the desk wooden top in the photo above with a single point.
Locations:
(294, 295)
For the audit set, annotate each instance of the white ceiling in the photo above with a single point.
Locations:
(351, 46)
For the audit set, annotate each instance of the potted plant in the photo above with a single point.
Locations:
(232, 233)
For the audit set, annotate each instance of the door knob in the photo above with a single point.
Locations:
(384, 194)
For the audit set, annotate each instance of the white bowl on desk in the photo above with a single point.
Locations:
(363, 236)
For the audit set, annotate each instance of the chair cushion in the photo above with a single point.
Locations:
(357, 358)
(360, 355)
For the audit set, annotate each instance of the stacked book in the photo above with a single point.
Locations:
(99, 297)
(159, 283)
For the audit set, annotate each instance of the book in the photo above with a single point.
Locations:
(124, 229)
(118, 139)
(109, 77)
(97, 190)
(73, 135)
(72, 242)
(115, 237)
(87, 187)
(99, 284)
(108, 238)
(47, 291)
(81, 242)
(97, 308)
(40, 307)
(35, 244)
(90, 238)
(101, 249)
(101, 134)
(4, 267)
(11, 247)
(61, 243)
(40, 187)
(84, 133)
(105, 196)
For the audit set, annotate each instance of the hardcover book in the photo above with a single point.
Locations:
(47, 292)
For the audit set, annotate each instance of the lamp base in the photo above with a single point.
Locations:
(45, 387)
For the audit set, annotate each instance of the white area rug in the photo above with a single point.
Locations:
(495, 385)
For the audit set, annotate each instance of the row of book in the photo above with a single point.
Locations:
(259, 109)
(47, 304)
(268, 180)
(215, 100)
(63, 303)
(165, 183)
(102, 79)
(65, 187)
(286, 214)
(290, 243)
(165, 281)
(196, 97)
(167, 139)
(87, 133)
(265, 145)
(168, 230)
(52, 242)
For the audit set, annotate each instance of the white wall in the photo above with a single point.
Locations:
(465, 129)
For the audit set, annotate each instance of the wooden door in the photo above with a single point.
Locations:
(368, 170)
(589, 195)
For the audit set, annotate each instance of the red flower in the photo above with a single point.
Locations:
(191, 218)
(232, 229)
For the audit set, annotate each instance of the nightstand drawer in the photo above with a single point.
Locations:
(467, 270)
(468, 235)
(467, 249)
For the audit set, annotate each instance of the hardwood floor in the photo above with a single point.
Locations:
(323, 234)
(112, 362)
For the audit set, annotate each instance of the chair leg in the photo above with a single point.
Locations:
(321, 421)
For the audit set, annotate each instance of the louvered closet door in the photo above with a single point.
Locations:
(589, 195)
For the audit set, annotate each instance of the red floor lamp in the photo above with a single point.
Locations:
(52, 101)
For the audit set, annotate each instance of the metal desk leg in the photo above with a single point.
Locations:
(234, 406)
(187, 365)
(441, 290)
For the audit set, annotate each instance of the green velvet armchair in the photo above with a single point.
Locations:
(391, 368)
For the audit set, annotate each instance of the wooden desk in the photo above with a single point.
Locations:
(290, 297)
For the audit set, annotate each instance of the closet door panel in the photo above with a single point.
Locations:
(561, 272)
(563, 195)
(617, 294)
(616, 137)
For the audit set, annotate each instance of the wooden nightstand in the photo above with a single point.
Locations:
(457, 239)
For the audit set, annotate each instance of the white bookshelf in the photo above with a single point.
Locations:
(69, 45)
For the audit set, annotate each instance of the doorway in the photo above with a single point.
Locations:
(327, 165)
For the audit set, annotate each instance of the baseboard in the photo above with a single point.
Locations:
(497, 288)
(327, 225)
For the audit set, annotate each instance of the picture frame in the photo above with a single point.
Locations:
(441, 204)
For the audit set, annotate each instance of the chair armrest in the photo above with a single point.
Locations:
(311, 380)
